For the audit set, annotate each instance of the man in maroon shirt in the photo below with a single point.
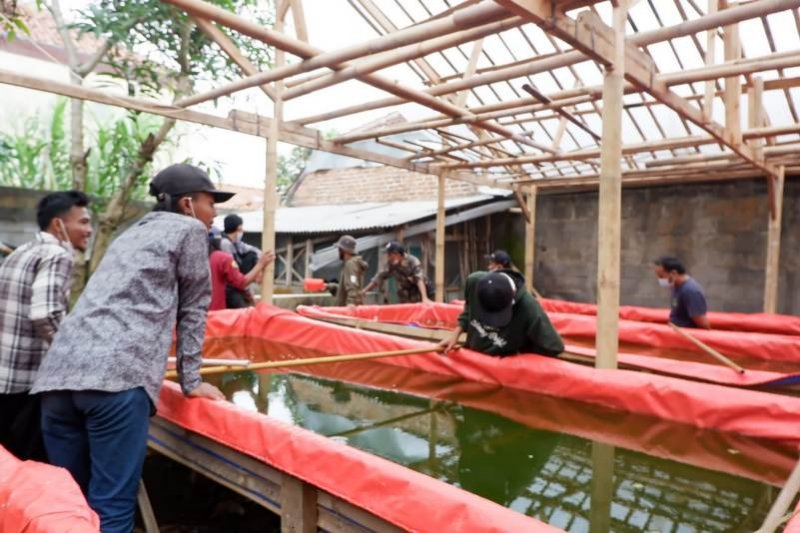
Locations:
(225, 271)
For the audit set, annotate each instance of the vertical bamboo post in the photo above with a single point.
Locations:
(774, 248)
(271, 179)
(309, 253)
(711, 48)
(440, 238)
(755, 115)
(298, 506)
(289, 261)
(530, 238)
(610, 200)
(733, 89)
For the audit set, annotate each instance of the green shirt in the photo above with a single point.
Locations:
(529, 331)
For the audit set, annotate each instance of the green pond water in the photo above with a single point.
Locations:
(573, 465)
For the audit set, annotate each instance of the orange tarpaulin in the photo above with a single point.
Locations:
(39, 498)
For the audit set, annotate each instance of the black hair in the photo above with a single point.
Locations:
(232, 222)
(670, 264)
(169, 203)
(58, 203)
(214, 242)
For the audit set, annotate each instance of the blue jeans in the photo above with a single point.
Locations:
(101, 438)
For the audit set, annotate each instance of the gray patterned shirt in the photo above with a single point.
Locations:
(117, 337)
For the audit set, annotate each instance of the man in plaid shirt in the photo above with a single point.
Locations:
(34, 291)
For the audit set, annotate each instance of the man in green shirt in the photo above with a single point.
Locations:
(502, 318)
(348, 290)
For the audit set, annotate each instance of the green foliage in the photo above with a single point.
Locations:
(290, 168)
(156, 44)
(11, 21)
(37, 157)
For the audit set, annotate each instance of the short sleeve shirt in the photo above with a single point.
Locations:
(688, 302)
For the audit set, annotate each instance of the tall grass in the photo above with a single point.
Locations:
(36, 156)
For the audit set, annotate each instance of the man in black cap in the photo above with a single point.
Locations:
(246, 257)
(412, 286)
(499, 260)
(502, 318)
(348, 290)
(100, 380)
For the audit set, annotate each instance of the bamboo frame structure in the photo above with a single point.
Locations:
(490, 132)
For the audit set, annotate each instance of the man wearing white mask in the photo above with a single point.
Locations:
(688, 305)
(35, 282)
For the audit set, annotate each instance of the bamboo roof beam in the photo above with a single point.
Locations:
(314, 58)
(400, 55)
(299, 20)
(770, 151)
(730, 15)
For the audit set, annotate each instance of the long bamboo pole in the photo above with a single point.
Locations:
(774, 517)
(310, 361)
(771, 280)
(707, 349)
(441, 239)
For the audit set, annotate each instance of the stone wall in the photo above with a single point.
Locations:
(719, 230)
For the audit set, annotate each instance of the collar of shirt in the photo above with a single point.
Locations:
(45, 237)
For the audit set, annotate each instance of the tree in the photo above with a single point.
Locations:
(290, 168)
(156, 49)
(11, 20)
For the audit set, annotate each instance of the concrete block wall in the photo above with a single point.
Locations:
(718, 229)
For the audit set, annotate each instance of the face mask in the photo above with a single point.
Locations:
(64, 237)
(664, 282)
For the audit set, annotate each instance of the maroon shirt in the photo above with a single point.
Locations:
(224, 271)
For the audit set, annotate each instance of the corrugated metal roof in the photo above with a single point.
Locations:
(349, 217)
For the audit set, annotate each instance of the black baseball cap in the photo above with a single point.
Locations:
(395, 248)
(495, 293)
(500, 257)
(181, 178)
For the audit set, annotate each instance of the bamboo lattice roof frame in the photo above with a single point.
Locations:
(485, 129)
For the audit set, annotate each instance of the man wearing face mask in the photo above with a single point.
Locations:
(245, 255)
(688, 306)
(101, 378)
(34, 292)
(412, 287)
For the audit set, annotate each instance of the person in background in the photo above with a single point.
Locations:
(502, 318)
(35, 282)
(499, 260)
(688, 306)
(412, 286)
(101, 378)
(245, 255)
(225, 272)
(348, 288)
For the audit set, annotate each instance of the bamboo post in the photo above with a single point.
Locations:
(440, 238)
(776, 513)
(771, 282)
(146, 509)
(610, 200)
(707, 349)
(602, 486)
(530, 238)
(711, 49)
(211, 370)
(755, 114)
(733, 89)
(271, 180)
(309, 253)
(298, 506)
(289, 261)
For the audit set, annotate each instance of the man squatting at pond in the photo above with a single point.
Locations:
(502, 318)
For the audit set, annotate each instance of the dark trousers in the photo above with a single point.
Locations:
(101, 438)
(20, 429)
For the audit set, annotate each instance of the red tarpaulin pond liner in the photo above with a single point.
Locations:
(765, 346)
(749, 413)
(723, 452)
(406, 498)
(444, 316)
(40, 498)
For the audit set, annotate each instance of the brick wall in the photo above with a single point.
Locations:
(371, 184)
(719, 230)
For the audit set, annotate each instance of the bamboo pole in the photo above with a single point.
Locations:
(441, 238)
(733, 89)
(211, 370)
(706, 348)
(530, 239)
(771, 282)
(710, 59)
(610, 200)
(212, 361)
(755, 114)
(775, 516)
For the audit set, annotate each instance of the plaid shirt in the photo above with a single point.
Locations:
(34, 290)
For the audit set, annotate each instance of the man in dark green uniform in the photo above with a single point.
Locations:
(348, 290)
(407, 273)
(502, 318)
